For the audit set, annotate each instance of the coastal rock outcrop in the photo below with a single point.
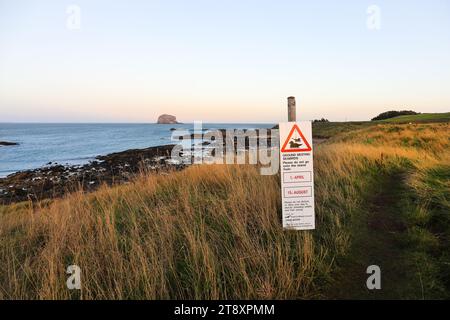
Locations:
(55, 180)
(6, 143)
(167, 119)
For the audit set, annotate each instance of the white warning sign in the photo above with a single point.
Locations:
(297, 176)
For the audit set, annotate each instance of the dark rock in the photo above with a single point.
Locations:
(6, 143)
(56, 180)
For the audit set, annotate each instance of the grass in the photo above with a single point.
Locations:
(428, 233)
(208, 232)
(430, 139)
(423, 117)
(213, 232)
(330, 129)
(408, 234)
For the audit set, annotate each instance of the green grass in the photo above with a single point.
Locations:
(330, 129)
(423, 117)
(404, 227)
(428, 234)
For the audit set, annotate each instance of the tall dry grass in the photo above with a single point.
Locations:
(208, 232)
(430, 139)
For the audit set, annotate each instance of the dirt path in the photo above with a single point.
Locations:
(376, 242)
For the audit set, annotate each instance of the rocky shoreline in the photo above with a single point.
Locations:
(54, 180)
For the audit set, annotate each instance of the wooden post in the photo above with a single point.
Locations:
(292, 116)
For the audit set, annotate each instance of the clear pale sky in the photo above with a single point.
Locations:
(221, 60)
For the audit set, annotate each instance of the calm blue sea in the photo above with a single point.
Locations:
(80, 143)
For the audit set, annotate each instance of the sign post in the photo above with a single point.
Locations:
(297, 175)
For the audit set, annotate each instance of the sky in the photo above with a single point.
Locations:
(221, 60)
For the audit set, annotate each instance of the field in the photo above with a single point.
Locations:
(214, 231)
(329, 129)
(423, 117)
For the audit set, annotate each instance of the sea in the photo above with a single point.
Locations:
(79, 143)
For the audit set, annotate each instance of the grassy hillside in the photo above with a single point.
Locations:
(329, 129)
(405, 227)
(423, 117)
(382, 196)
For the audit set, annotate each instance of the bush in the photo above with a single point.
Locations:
(321, 120)
(392, 114)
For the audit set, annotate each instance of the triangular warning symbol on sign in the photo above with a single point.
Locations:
(293, 144)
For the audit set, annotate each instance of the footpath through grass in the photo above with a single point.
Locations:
(386, 234)
(404, 227)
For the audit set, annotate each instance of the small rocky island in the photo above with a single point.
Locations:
(167, 119)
